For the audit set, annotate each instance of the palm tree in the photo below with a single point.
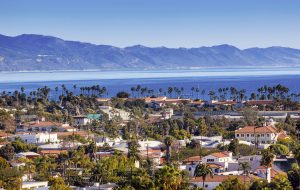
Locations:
(170, 91)
(267, 160)
(246, 169)
(168, 142)
(169, 177)
(203, 170)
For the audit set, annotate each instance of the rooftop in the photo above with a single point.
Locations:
(255, 129)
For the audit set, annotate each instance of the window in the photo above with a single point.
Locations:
(263, 142)
(262, 135)
(242, 135)
(210, 160)
(206, 185)
(237, 135)
(252, 135)
(248, 135)
(268, 135)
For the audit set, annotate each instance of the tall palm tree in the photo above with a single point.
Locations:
(203, 170)
(168, 142)
(245, 167)
(267, 160)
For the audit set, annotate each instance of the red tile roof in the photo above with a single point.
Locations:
(52, 152)
(282, 135)
(193, 159)
(42, 124)
(252, 129)
(220, 154)
(221, 178)
(259, 102)
(224, 103)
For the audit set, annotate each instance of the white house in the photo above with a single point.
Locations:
(190, 164)
(115, 113)
(39, 138)
(81, 120)
(41, 126)
(260, 135)
(219, 158)
(35, 185)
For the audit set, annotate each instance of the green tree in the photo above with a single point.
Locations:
(279, 149)
(3, 163)
(169, 177)
(267, 160)
(280, 182)
(234, 147)
(231, 183)
(57, 183)
(294, 176)
(7, 152)
(260, 184)
(10, 179)
(168, 142)
(203, 170)
(245, 167)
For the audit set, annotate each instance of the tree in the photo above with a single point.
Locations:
(169, 177)
(245, 167)
(230, 184)
(7, 152)
(168, 142)
(203, 170)
(234, 147)
(279, 149)
(10, 178)
(280, 182)
(57, 183)
(250, 116)
(3, 163)
(260, 184)
(133, 151)
(123, 94)
(267, 160)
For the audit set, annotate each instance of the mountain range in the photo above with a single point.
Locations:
(29, 52)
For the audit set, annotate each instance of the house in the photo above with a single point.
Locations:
(4, 135)
(197, 104)
(255, 103)
(81, 120)
(260, 135)
(86, 119)
(219, 158)
(104, 101)
(191, 163)
(97, 186)
(261, 171)
(212, 182)
(40, 126)
(38, 138)
(114, 113)
(35, 185)
(223, 103)
(29, 155)
(53, 153)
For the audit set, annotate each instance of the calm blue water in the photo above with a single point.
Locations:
(115, 81)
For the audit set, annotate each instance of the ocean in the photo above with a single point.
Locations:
(205, 79)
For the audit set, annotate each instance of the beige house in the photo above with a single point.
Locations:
(261, 135)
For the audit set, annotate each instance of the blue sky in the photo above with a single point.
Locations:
(171, 23)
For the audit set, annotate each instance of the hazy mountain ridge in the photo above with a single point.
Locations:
(37, 52)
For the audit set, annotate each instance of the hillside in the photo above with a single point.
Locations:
(37, 52)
